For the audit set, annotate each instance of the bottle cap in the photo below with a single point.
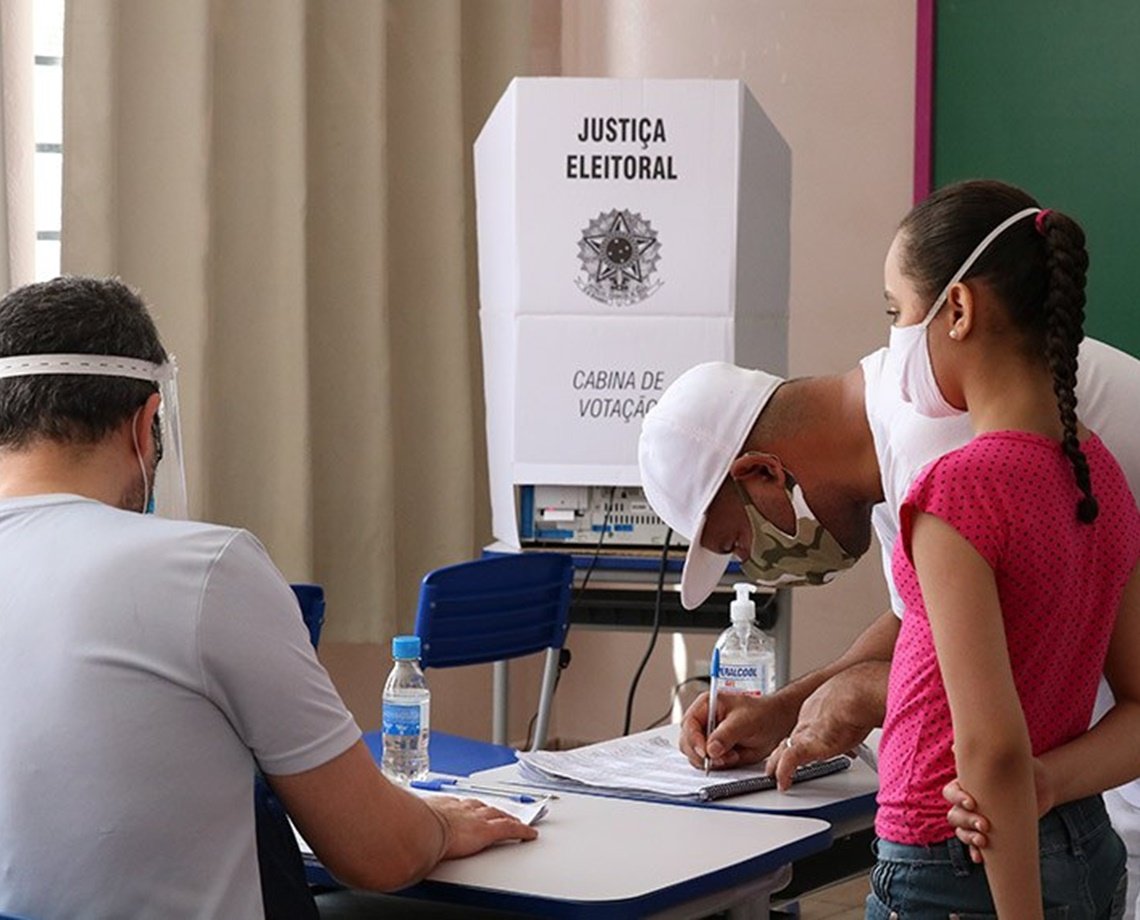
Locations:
(743, 609)
(405, 647)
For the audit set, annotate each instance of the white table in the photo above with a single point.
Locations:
(604, 858)
(845, 800)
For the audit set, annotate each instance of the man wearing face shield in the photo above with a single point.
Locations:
(717, 456)
(151, 665)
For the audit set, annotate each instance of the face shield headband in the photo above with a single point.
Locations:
(170, 478)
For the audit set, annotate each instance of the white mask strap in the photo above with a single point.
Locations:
(142, 466)
(972, 258)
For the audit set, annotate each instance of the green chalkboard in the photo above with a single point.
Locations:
(1046, 94)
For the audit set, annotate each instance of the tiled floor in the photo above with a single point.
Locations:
(842, 901)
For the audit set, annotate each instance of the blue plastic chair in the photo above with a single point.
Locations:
(282, 870)
(495, 609)
(312, 601)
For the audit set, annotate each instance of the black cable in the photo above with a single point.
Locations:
(597, 549)
(656, 631)
(701, 678)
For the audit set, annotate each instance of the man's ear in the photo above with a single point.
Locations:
(764, 481)
(764, 468)
(143, 425)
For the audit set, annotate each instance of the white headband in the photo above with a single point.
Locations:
(90, 365)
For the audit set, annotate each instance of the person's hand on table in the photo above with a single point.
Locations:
(747, 728)
(971, 827)
(833, 720)
(472, 826)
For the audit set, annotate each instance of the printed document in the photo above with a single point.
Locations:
(649, 766)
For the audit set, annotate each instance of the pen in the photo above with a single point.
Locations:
(714, 676)
(448, 784)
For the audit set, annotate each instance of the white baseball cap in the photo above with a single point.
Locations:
(688, 442)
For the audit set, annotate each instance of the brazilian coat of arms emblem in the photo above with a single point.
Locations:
(618, 253)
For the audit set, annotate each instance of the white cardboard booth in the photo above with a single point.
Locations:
(627, 230)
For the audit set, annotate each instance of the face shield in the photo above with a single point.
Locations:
(169, 488)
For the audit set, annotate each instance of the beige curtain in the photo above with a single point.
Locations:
(17, 146)
(289, 185)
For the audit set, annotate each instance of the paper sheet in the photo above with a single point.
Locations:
(647, 764)
(526, 812)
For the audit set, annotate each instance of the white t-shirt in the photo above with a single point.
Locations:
(147, 666)
(1108, 392)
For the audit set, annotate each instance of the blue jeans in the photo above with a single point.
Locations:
(1082, 873)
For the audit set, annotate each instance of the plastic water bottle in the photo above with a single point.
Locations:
(406, 714)
(747, 653)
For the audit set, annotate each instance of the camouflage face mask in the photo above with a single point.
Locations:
(810, 556)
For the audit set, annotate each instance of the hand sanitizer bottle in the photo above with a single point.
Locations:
(747, 653)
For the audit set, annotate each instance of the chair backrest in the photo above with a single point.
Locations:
(312, 601)
(493, 609)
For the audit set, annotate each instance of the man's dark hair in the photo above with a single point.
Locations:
(73, 315)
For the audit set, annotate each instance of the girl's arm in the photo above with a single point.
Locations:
(1109, 753)
(1104, 757)
(991, 741)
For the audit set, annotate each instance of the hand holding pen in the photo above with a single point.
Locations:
(745, 727)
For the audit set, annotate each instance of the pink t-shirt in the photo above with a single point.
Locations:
(1013, 496)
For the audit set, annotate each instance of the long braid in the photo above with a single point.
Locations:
(1064, 308)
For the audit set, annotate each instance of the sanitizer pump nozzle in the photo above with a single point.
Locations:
(743, 609)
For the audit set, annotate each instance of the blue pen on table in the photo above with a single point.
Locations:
(714, 676)
(450, 784)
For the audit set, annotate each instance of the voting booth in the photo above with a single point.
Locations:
(627, 230)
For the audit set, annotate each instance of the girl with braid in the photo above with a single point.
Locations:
(1018, 566)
